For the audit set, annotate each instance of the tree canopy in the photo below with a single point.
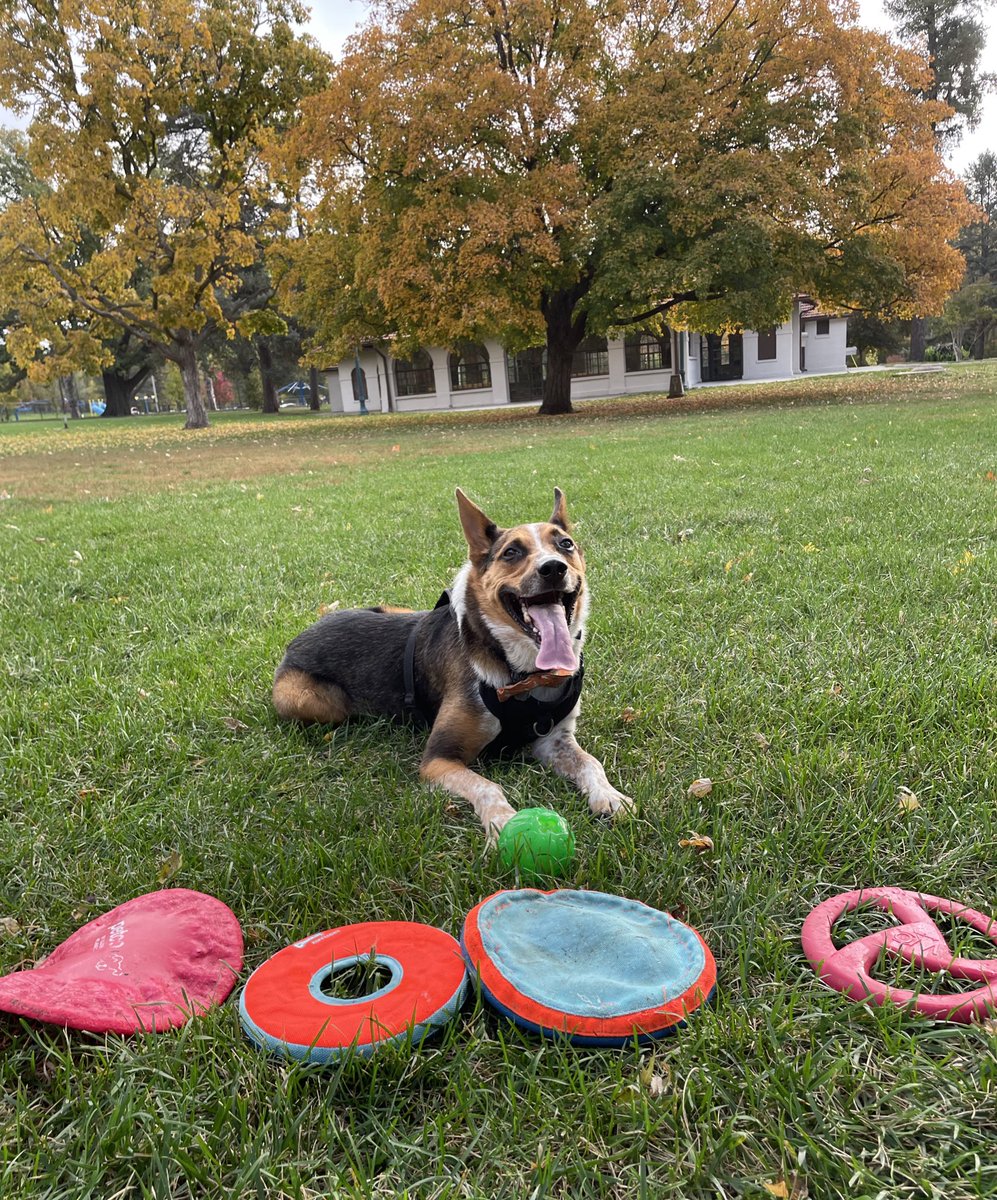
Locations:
(953, 36)
(149, 134)
(537, 170)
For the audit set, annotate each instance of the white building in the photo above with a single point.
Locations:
(485, 374)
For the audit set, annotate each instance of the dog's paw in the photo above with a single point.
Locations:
(493, 819)
(608, 802)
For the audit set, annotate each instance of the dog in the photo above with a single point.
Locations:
(496, 665)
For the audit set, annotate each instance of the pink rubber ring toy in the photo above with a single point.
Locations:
(918, 940)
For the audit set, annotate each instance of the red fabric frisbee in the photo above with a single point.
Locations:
(285, 1007)
(145, 966)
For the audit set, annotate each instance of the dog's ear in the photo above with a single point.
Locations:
(479, 529)
(560, 514)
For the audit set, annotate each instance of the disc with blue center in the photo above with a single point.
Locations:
(595, 968)
(289, 1005)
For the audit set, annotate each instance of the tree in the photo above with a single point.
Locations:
(541, 170)
(967, 316)
(978, 243)
(953, 36)
(150, 128)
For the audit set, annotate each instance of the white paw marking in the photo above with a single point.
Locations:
(608, 802)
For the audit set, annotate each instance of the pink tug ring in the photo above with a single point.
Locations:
(918, 940)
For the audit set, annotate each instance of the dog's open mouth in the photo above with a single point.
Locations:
(546, 617)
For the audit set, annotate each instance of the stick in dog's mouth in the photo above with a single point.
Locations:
(545, 617)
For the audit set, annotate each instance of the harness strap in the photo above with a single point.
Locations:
(412, 709)
(530, 717)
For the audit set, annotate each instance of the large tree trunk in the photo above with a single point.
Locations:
(271, 404)
(314, 402)
(918, 338)
(197, 416)
(118, 393)
(564, 332)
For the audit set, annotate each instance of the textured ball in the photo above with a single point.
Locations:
(538, 843)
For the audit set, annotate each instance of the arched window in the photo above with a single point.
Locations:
(414, 376)
(591, 357)
(648, 351)
(469, 367)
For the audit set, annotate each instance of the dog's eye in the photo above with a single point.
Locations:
(565, 543)
(511, 553)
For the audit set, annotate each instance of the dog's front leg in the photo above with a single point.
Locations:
(457, 738)
(559, 750)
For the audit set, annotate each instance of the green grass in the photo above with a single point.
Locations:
(796, 601)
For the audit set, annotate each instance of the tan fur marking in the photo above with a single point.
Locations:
(298, 696)
(457, 737)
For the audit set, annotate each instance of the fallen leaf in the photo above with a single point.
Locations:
(628, 714)
(698, 841)
(684, 535)
(234, 724)
(777, 1189)
(654, 1076)
(9, 927)
(700, 788)
(907, 800)
(328, 608)
(395, 449)
(761, 741)
(170, 867)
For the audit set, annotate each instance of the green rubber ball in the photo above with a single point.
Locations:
(538, 843)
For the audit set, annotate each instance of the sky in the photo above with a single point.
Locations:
(332, 23)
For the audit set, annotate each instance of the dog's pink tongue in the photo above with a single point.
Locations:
(557, 653)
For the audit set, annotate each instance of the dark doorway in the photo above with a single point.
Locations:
(721, 356)
(526, 375)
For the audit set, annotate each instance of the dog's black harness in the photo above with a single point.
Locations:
(523, 718)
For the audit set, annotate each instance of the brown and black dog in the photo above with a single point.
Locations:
(496, 664)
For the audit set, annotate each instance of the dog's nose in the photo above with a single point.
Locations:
(553, 570)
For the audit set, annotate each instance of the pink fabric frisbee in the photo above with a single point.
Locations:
(145, 966)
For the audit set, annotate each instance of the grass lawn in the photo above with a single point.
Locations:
(795, 595)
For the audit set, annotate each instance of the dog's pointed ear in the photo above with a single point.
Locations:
(479, 529)
(560, 514)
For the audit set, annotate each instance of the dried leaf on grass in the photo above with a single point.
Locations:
(9, 927)
(234, 724)
(700, 788)
(698, 841)
(907, 800)
(170, 867)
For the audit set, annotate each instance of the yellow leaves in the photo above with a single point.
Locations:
(967, 558)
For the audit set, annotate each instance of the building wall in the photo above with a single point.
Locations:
(826, 352)
(823, 353)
